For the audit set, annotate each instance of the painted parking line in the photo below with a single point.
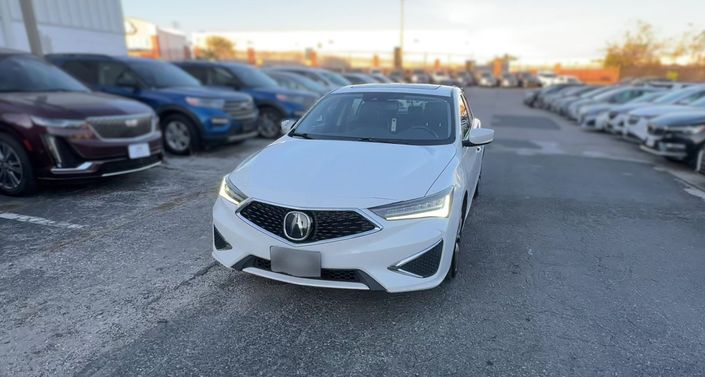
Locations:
(38, 221)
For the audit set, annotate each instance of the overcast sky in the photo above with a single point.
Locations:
(531, 29)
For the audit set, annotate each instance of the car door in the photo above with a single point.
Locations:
(472, 156)
(117, 78)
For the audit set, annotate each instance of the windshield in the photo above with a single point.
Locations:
(334, 78)
(673, 97)
(699, 103)
(159, 74)
(305, 82)
(648, 97)
(380, 117)
(252, 77)
(28, 74)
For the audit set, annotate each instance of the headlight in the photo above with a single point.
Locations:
(436, 205)
(691, 130)
(206, 102)
(60, 123)
(229, 192)
(612, 114)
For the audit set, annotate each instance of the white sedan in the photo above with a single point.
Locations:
(369, 190)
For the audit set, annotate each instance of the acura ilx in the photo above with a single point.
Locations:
(369, 190)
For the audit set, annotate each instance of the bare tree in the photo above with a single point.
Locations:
(638, 47)
(218, 48)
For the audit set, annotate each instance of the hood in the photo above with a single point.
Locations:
(72, 105)
(630, 106)
(595, 108)
(340, 174)
(205, 92)
(652, 111)
(686, 118)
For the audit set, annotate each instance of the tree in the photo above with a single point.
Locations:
(690, 46)
(638, 47)
(218, 48)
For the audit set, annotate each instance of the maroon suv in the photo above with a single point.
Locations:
(52, 127)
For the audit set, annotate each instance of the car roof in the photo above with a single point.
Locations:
(428, 89)
(9, 51)
(101, 56)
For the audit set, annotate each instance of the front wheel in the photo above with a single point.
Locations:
(16, 174)
(180, 135)
(269, 123)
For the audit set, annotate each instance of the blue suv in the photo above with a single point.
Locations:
(191, 115)
(274, 102)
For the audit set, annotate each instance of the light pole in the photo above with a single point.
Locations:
(401, 26)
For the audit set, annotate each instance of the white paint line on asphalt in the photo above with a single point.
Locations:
(695, 192)
(38, 221)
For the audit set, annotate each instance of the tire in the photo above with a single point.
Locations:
(180, 134)
(453, 269)
(269, 122)
(16, 174)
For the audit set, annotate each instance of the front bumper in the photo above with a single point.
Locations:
(588, 121)
(371, 253)
(638, 131)
(94, 158)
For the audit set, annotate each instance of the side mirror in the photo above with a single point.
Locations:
(478, 137)
(286, 125)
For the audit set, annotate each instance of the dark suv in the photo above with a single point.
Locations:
(191, 114)
(53, 127)
(274, 102)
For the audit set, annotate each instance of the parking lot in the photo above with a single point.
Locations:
(582, 256)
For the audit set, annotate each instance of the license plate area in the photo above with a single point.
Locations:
(301, 263)
(138, 150)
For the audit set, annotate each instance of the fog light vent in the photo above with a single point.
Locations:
(219, 241)
(424, 265)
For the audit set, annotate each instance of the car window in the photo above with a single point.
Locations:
(115, 74)
(85, 71)
(29, 74)
(159, 74)
(221, 77)
(199, 72)
(382, 117)
(465, 120)
(691, 98)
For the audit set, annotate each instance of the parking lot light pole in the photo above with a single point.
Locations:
(30, 25)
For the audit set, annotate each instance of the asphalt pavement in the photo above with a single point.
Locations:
(582, 257)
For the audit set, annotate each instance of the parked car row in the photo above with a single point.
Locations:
(74, 116)
(665, 119)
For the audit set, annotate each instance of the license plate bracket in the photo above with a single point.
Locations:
(140, 150)
(301, 263)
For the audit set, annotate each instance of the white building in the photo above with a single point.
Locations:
(88, 26)
(146, 39)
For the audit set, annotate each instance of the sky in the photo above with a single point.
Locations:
(533, 30)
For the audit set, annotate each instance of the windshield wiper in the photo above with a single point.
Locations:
(302, 135)
(373, 140)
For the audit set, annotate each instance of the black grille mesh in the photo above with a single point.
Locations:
(117, 127)
(326, 274)
(326, 224)
(426, 264)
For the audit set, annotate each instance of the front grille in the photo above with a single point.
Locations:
(326, 224)
(122, 127)
(240, 109)
(656, 131)
(424, 265)
(633, 120)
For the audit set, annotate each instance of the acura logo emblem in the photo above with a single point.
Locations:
(297, 226)
(131, 122)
